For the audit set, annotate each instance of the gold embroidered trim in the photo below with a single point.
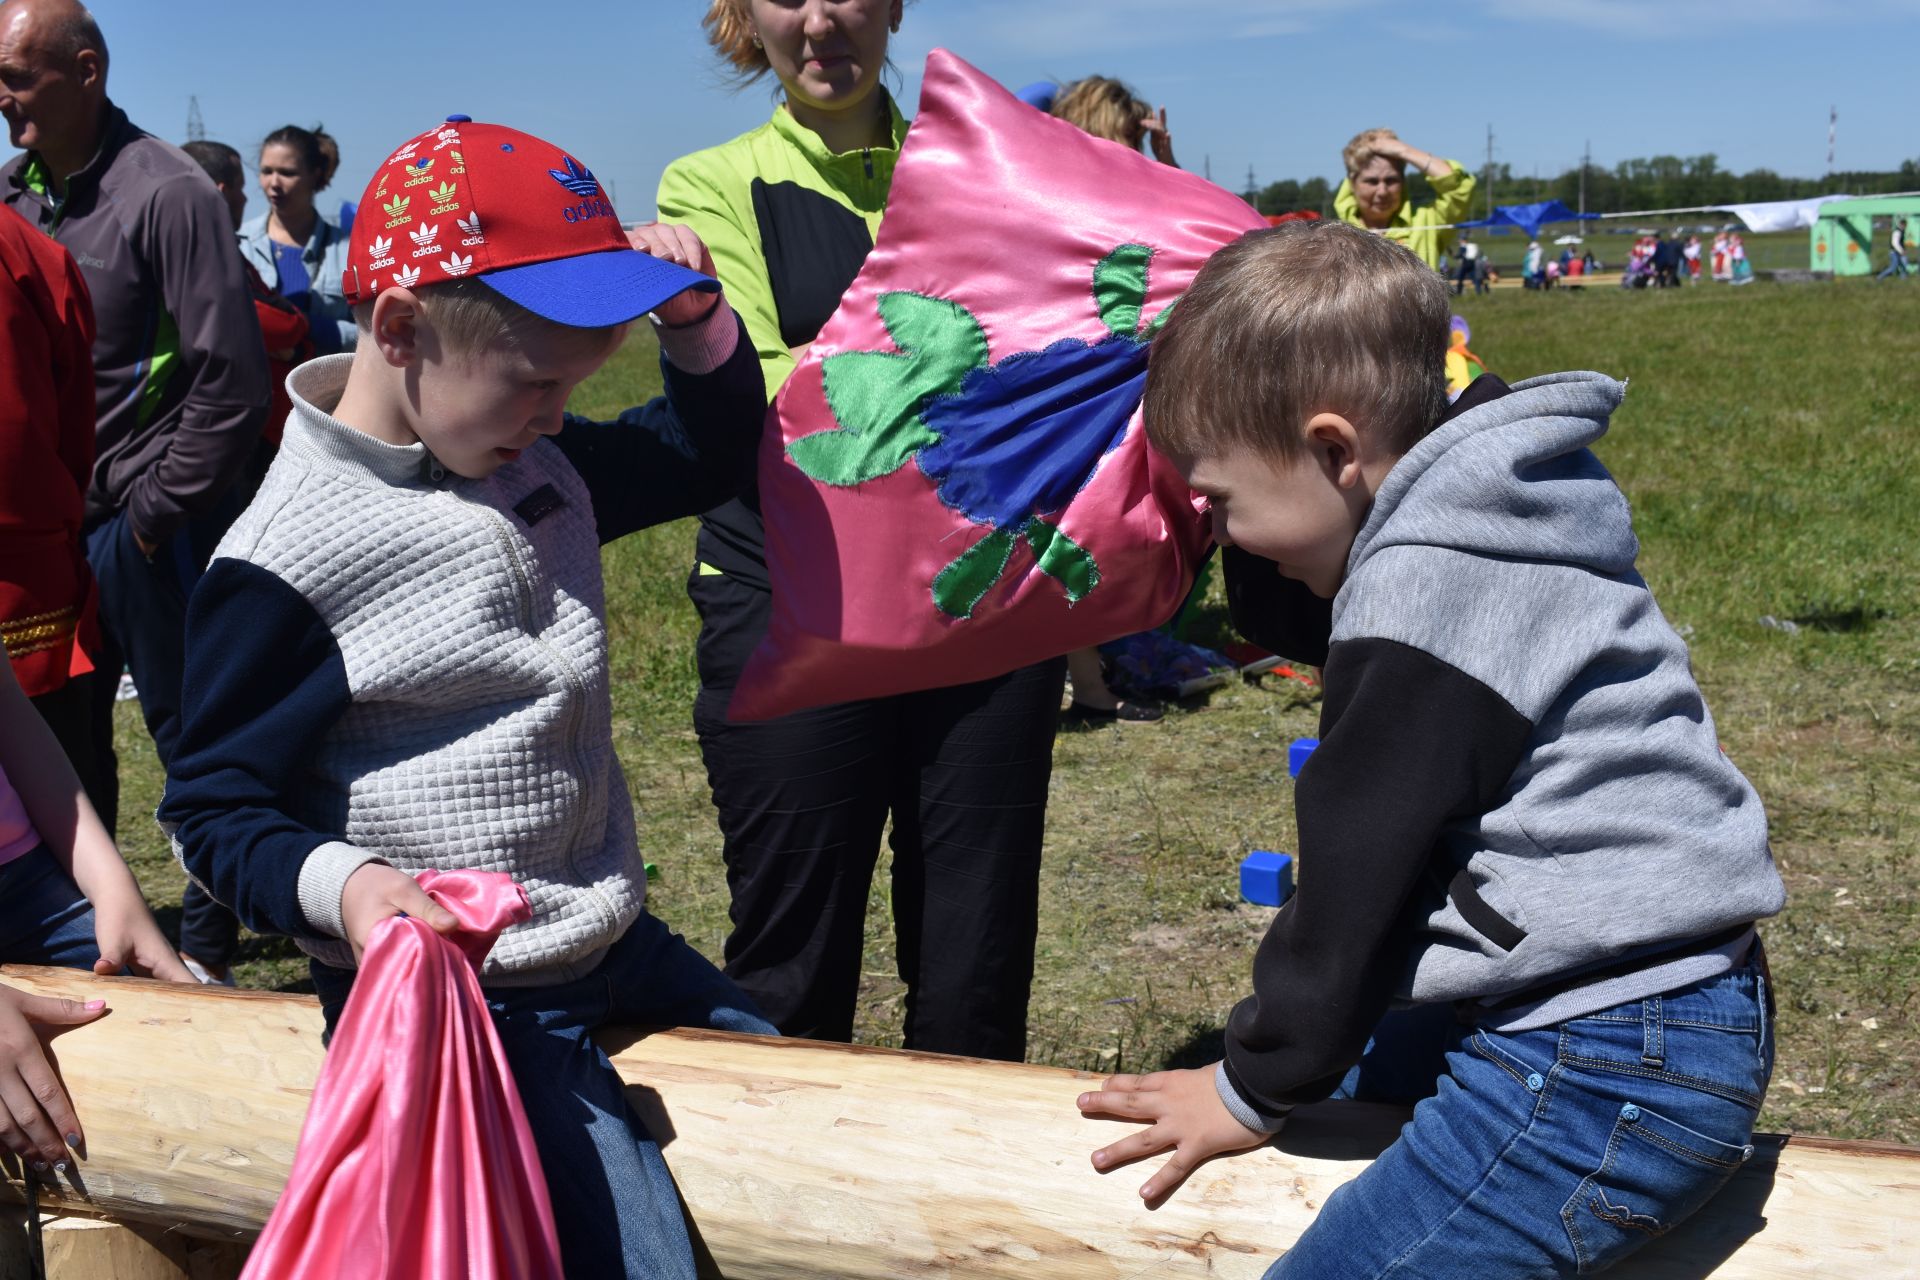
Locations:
(39, 632)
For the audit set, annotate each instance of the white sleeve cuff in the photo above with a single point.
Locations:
(702, 347)
(323, 878)
(1237, 1106)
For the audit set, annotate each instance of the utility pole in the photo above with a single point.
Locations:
(1251, 189)
(1833, 128)
(1489, 171)
(1586, 162)
(196, 127)
(1206, 167)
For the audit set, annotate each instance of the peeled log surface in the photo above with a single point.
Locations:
(800, 1159)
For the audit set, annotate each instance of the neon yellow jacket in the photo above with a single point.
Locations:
(779, 212)
(1419, 228)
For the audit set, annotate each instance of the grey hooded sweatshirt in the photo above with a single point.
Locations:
(1519, 804)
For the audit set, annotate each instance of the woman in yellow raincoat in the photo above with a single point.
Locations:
(1374, 196)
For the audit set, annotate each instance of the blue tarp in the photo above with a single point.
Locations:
(1530, 217)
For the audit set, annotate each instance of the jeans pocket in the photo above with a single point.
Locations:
(1656, 1173)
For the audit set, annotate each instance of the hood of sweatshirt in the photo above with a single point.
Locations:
(1512, 478)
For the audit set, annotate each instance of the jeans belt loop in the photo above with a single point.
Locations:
(1653, 1048)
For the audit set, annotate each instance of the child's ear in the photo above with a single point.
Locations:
(1336, 443)
(396, 329)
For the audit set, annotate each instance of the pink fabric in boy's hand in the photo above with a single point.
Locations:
(954, 480)
(416, 1159)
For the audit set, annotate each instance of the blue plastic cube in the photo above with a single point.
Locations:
(1297, 755)
(1266, 878)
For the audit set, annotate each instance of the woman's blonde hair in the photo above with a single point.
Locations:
(1360, 152)
(1103, 107)
(730, 31)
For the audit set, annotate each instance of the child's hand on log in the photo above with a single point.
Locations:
(376, 892)
(1184, 1114)
(37, 1122)
(129, 938)
(672, 242)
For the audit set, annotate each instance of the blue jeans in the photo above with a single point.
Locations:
(615, 1205)
(44, 918)
(1896, 266)
(1555, 1152)
(143, 612)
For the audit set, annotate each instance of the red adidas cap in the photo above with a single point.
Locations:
(522, 215)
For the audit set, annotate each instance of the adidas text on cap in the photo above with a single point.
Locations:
(519, 214)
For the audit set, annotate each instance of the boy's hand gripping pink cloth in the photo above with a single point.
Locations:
(954, 480)
(416, 1159)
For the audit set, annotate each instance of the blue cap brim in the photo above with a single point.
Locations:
(595, 290)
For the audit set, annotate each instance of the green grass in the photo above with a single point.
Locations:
(1769, 443)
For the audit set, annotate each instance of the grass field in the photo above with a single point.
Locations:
(1770, 443)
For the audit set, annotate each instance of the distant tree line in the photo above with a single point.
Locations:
(1656, 182)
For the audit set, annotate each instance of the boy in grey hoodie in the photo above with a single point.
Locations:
(1518, 831)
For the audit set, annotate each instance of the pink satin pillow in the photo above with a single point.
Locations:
(954, 480)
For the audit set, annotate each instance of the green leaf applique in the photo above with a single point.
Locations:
(877, 396)
(971, 574)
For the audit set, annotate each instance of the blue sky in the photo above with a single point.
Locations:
(1276, 84)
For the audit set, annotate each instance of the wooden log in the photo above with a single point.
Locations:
(73, 1247)
(801, 1159)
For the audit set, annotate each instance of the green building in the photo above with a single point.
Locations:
(1842, 238)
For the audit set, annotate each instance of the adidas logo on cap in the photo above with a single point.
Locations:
(576, 178)
(457, 265)
(407, 277)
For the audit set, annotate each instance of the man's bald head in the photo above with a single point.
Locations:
(59, 29)
(53, 79)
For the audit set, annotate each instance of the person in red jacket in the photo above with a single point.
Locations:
(47, 603)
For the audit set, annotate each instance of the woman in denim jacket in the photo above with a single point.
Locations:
(297, 251)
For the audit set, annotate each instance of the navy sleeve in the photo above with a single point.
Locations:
(681, 453)
(264, 682)
(1407, 744)
(1276, 612)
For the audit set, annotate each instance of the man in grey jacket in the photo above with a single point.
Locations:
(1518, 829)
(180, 368)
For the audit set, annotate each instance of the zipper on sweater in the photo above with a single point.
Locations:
(866, 158)
(569, 675)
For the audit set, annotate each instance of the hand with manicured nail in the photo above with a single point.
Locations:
(37, 1121)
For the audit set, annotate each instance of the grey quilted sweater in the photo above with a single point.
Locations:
(388, 661)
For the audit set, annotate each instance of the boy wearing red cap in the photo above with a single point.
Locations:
(397, 660)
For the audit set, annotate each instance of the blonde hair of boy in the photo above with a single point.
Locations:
(469, 317)
(1104, 108)
(1295, 320)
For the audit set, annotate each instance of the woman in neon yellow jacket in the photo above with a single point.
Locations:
(789, 211)
(1374, 195)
